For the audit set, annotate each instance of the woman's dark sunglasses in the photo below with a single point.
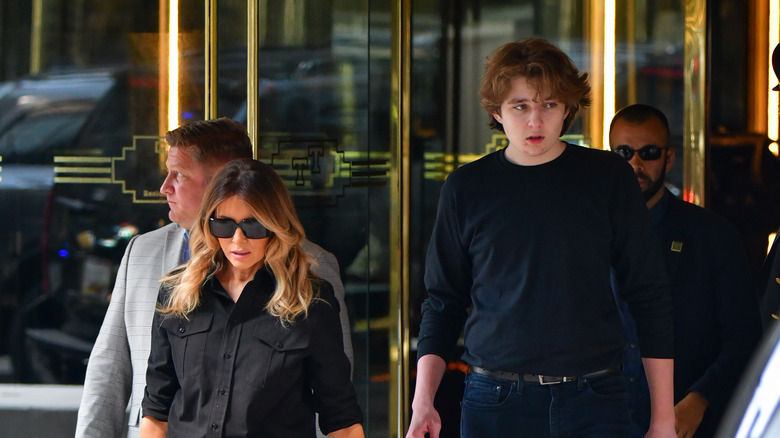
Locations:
(650, 152)
(226, 228)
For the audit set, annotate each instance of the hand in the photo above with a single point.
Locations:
(688, 414)
(424, 420)
(152, 428)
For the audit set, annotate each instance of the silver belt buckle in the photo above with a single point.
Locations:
(551, 382)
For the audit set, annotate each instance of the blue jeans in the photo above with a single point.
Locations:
(595, 408)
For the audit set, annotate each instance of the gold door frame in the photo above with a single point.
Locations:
(400, 191)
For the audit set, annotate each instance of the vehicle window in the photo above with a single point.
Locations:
(35, 138)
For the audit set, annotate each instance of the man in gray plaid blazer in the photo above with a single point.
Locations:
(116, 372)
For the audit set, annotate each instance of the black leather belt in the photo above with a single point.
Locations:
(541, 379)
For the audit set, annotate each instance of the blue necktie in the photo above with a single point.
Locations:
(185, 248)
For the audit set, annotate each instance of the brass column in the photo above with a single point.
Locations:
(399, 217)
(695, 119)
(210, 60)
(252, 79)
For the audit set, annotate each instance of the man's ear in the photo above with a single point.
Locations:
(497, 117)
(669, 158)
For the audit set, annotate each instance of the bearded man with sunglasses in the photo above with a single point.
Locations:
(715, 310)
(116, 372)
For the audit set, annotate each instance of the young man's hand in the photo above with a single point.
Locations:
(425, 419)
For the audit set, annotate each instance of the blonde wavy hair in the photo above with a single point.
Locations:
(263, 191)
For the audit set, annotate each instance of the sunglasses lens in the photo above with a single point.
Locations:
(226, 228)
(222, 228)
(253, 229)
(650, 153)
(624, 151)
(647, 153)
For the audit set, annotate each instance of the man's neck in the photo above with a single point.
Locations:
(652, 202)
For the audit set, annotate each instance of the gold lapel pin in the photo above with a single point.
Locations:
(676, 246)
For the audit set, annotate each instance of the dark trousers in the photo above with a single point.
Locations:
(595, 408)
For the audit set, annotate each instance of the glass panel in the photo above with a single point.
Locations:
(649, 66)
(323, 124)
(81, 167)
(231, 41)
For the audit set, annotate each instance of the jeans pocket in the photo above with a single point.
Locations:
(486, 391)
(609, 386)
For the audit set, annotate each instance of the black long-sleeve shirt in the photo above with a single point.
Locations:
(234, 370)
(528, 249)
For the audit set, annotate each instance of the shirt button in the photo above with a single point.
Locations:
(215, 426)
(181, 329)
(632, 345)
(280, 345)
(221, 392)
(227, 355)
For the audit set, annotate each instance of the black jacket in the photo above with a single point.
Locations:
(235, 370)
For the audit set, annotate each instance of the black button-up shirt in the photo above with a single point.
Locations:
(234, 370)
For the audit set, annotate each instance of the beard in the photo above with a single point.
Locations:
(654, 186)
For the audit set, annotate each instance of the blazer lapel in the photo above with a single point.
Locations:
(174, 240)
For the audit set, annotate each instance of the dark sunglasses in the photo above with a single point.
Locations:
(650, 152)
(226, 228)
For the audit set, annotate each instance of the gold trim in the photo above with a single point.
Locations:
(594, 34)
(609, 72)
(62, 169)
(210, 60)
(162, 68)
(36, 37)
(758, 74)
(252, 78)
(695, 120)
(81, 180)
(62, 159)
(173, 64)
(112, 162)
(399, 217)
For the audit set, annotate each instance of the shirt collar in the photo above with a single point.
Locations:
(659, 209)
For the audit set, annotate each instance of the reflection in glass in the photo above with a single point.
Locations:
(649, 66)
(323, 73)
(79, 178)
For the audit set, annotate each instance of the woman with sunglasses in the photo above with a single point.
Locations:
(246, 341)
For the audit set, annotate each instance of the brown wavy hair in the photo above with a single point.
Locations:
(263, 191)
(544, 66)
